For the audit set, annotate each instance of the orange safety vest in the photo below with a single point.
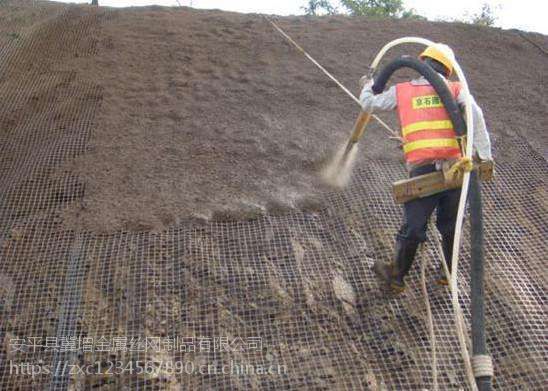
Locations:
(427, 130)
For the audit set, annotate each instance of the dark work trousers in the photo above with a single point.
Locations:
(415, 223)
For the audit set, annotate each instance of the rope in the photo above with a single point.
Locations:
(459, 322)
(526, 38)
(429, 320)
(339, 84)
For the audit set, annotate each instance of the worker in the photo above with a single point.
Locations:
(429, 143)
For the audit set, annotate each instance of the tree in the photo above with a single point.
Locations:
(380, 8)
(411, 13)
(393, 8)
(315, 6)
(375, 8)
(486, 17)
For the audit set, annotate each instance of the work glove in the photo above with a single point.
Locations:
(486, 169)
(457, 170)
(365, 80)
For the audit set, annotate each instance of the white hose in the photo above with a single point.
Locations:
(462, 202)
(391, 44)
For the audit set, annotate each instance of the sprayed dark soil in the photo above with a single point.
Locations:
(211, 114)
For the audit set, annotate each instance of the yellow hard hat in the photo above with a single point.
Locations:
(441, 53)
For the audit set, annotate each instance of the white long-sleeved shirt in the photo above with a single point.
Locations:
(387, 101)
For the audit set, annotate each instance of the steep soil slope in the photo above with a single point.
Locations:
(209, 112)
(159, 205)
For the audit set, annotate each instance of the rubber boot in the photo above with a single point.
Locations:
(405, 254)
(384, 271)
(392, 274)
(447, 245)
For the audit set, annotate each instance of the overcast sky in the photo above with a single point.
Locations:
(528, 15)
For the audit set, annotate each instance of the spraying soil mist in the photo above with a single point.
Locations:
(339, 170)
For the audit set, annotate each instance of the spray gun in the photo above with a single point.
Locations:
(361, 122)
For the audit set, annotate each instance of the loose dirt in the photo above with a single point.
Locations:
(209, 114)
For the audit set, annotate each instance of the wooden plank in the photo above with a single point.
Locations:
(428, 184)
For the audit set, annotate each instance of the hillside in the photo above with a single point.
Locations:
(159, 179)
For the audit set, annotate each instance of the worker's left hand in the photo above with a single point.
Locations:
(457, 170)
(365, 80)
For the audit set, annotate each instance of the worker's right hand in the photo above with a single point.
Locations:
(399, 139)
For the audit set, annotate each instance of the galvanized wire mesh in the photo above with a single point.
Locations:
(212, 305)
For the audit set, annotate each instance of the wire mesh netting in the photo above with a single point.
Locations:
(279, 302)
